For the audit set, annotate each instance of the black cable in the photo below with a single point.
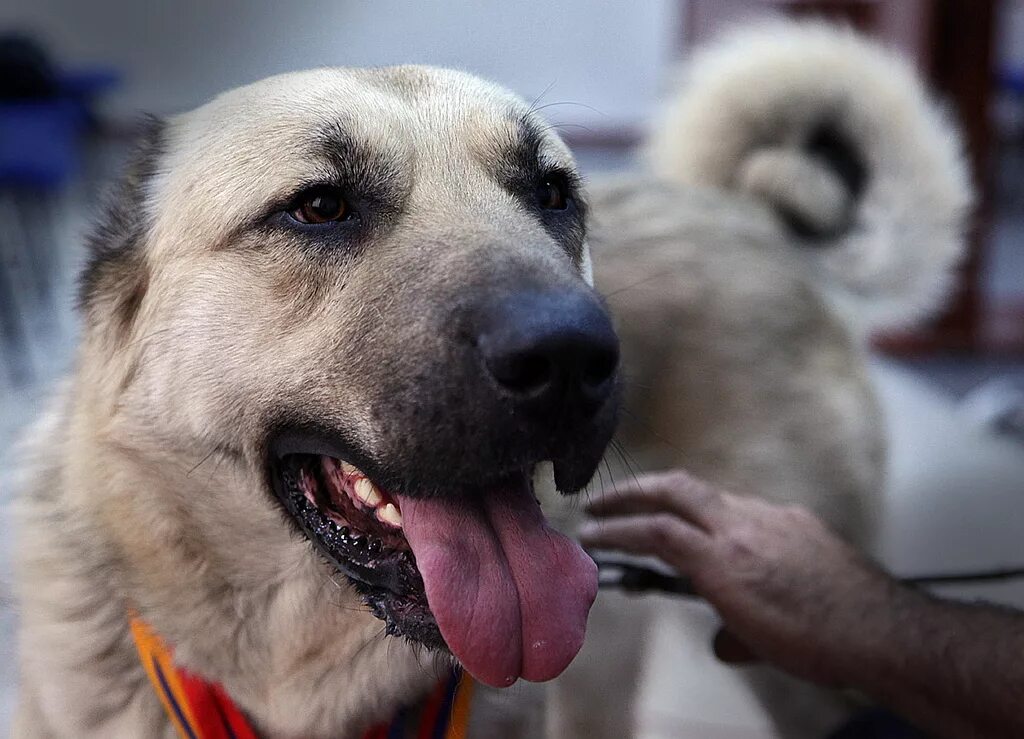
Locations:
(636, 578)
(999, 575)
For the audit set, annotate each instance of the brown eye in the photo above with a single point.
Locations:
(552, 194)
(321, 205)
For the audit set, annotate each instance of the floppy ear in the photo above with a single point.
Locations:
(115, 278)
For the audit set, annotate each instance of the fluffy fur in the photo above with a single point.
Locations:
(742, 282)
(750, 109)
(207, 323)
(812, 194)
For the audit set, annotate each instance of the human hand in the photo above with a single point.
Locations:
(787, 588)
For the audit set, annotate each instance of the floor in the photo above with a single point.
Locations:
(954, 498)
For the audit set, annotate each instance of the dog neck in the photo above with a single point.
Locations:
(107, 524)
(199, 709)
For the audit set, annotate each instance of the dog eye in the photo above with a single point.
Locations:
(321, 205)
(553, 193)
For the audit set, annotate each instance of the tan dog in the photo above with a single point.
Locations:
(820, 196)
(344, 276)
(380, 268)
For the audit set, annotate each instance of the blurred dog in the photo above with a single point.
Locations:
(334, 321)
(817, 195)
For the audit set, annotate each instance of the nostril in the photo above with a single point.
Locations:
(523, 372)
(599, 368)
(549, 353)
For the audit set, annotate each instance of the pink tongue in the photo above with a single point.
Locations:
(510, 595)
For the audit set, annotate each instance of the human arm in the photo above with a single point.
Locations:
(793, 593)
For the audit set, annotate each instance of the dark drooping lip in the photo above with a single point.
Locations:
(386, 577)
(495, 586)
(383, 569)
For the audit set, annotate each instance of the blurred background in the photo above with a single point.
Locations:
(75, 76)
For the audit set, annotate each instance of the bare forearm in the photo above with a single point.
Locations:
(791, 592)
(956, 669)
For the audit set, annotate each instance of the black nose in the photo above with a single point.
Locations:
(550, 350)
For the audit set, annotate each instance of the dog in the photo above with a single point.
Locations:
(336, 321)
(811, 195)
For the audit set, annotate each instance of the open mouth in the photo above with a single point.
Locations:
(359, 530)
(479, 573)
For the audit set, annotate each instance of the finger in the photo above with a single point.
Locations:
(731, 650)
(661, 535)
(674, 492)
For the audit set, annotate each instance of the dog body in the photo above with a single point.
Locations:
(218, 331)
(727, 346)
(726, 349)
(806, 194)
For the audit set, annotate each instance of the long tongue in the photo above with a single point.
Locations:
(510, 595)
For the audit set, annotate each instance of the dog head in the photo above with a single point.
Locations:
(372, 287)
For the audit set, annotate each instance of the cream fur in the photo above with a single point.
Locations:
(117, 509)
(743, 343)
(748, 102)
(742, 350)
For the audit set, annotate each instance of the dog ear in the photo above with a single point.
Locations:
(115, 277)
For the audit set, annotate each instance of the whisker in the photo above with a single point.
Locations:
(600, 478)
(373, 639)
(611, 473)
(653, 432)
(533, 105)
(201, 462)
(627, 460)
(649, 278)
(569, 102)
(737, 259)
(559, 126)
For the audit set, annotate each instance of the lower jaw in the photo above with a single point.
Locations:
(387, 581)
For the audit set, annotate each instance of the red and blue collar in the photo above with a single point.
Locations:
(202, 710)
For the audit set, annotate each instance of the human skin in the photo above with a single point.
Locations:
(791, 592)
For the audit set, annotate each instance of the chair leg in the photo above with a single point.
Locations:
(18, 363)
(33, 217)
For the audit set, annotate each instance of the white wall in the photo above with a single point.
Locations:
(605, 54)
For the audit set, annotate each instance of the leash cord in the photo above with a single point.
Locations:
(634, 578)
(998, 575)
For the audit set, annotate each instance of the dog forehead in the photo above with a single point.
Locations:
(415, 103)
(255, 142)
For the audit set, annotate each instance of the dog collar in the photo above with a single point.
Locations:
(203, 710)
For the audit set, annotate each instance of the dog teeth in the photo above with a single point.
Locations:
(349, 469)
(367, 493)
(389, 514)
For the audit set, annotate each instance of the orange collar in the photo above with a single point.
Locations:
(202, 710)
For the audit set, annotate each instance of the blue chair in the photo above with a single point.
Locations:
(41, 142)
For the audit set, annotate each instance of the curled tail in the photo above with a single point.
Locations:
(840, 138)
